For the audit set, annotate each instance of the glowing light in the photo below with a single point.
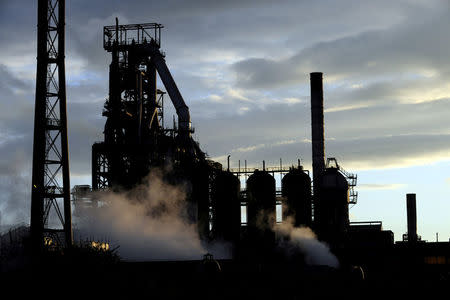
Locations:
(100, 245)
(48, 241)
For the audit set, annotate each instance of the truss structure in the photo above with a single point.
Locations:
(50, 197)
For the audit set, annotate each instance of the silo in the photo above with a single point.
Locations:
(333, 206)
(296, 189)
(261, 217)
(261, 200)
(200, 198)
(226, 207)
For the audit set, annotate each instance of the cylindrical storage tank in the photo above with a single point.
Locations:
(195, 179)
(333, 206)
(261, 200)
(226, 207)
(259, 241)
(296, 189)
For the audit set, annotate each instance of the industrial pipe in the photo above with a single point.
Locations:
(184, 118)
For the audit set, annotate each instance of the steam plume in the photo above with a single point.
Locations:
(303, 239)
(148, 222)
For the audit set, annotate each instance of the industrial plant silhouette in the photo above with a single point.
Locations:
(234, 207)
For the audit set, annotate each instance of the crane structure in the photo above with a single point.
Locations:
(51, 221)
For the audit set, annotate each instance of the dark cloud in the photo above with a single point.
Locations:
(9, 82)
(85, 127)
(409, 47)
(390, 151)
(372, 136)
(243, 69)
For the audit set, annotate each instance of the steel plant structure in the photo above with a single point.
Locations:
(135, 139)
(50, 177)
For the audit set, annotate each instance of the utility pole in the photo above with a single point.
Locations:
(50, 188)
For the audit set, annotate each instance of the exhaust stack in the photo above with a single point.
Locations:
(411, 217)
(317, 134)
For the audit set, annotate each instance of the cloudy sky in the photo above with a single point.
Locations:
(243, 68)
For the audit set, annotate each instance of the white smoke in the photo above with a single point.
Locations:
(15, 187)
(147, 223)
(304, 240)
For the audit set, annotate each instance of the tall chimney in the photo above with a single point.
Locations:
(317, 134)
(412, 217)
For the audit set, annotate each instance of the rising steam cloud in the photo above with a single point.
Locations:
(304, 240)
(147, 223)
(150, 223)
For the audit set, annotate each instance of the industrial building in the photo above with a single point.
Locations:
(135, 141)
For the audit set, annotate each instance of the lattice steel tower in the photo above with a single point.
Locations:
(50, 182)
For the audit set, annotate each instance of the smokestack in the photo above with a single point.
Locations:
(412, 217)
(317, 134)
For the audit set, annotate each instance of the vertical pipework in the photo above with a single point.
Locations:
(152, 97)
(317, 135)
(117, 30)
(63, 121)
(184, 118)
(38, 180)
(411, 217)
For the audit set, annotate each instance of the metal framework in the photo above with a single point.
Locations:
(50, 197)
(127, 34)
(351, 179)
(244, 172)
(135, 137)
